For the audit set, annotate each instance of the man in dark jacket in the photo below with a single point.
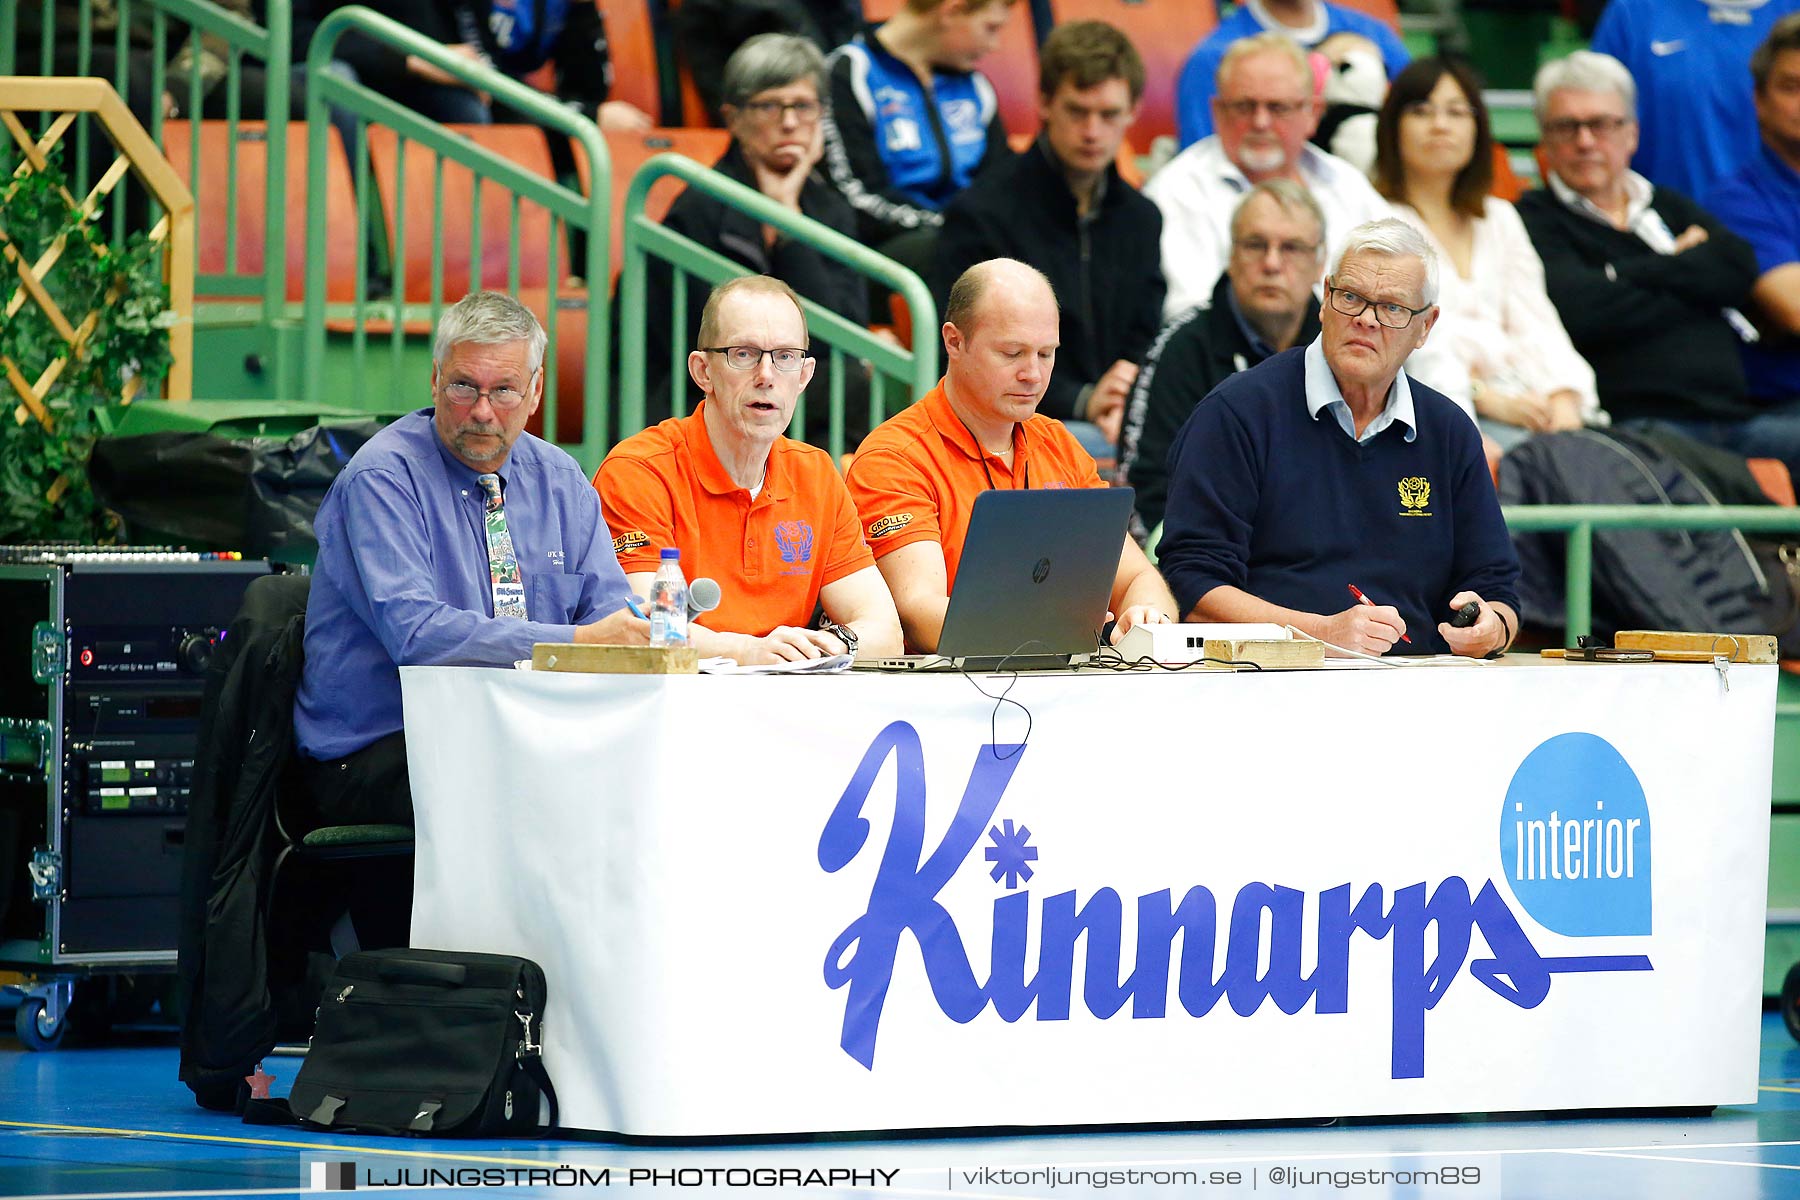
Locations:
(1062, 208)
(773, 90)
(1264, 303)
(1647, 282)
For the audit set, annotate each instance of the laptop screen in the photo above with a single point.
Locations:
(1037, 572)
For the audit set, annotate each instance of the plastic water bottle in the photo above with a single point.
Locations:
(669, 603)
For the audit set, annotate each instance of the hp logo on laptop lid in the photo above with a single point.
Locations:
(1041, 571)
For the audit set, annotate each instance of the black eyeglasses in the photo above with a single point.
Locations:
(1567, 129)
(748, 358)
(803, 110)
(1351, 304)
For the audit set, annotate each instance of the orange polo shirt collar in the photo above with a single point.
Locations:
(952, 429)
(712, 474)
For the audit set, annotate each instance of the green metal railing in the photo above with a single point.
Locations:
(568, 210)
(915, 370)
(217, 36)
(1580, 521)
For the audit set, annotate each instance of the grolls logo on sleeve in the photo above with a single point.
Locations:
(635, 539)
(886, 525)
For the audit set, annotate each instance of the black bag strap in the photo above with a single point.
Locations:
(534, 1066)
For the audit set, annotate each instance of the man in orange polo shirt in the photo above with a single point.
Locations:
(766, 517)
(916, 477)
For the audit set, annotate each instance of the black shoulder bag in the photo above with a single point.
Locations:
(436, 1043)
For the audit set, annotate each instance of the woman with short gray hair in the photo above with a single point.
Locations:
(773, 102)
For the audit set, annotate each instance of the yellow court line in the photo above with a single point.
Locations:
(1769, 1087)
(317, 1147)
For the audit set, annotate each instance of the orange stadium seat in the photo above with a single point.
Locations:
(629, 151)
(1165, 32)
(1507, 185)
(524, 145)
(212, 187)
(631, 39)
(1012, 67)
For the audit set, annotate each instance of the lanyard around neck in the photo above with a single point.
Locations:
(981, 454)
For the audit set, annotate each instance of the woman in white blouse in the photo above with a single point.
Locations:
(1498, 348)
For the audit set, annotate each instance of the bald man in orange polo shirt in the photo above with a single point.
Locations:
(917, 475)
(766, 517)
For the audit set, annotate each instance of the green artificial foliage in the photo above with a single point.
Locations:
(44, 492)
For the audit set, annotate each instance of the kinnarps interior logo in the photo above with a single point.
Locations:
(333, 1176)
(1575, 839)
(1433, 930)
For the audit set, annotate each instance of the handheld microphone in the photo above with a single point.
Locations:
(703, 595)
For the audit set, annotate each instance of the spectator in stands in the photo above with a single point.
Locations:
(916, 477)
(1263, 304)
(452, 537)
(773, 91)
(495, 33)
(1265, 110)
(766, 517)
(1507, 358)
(709, 32)
(1327, 466)
(911, 120)
(1688, 59)
(1062, 208)
(1306, 23)
(1761, 203)
(1645, 280)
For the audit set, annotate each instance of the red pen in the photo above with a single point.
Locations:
(1362, 599)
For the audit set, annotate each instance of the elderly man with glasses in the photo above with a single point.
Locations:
(452, 537)
(1325, 490)
(1264, 112)
(1648, 283)
(1263, 304)
(768, 518)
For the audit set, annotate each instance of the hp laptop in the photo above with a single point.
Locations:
(1032, 588)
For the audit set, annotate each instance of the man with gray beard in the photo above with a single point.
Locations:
(452, 537)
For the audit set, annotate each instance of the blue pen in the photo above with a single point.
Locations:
(632, 604)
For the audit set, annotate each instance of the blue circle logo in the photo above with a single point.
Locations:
(1575, 839)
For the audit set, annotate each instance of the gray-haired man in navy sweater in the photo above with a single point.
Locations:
(1325, 469)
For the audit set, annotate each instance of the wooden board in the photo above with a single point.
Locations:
(615, 660)
(1283, 655)
(1738, 647)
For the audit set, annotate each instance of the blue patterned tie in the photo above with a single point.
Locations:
(503, 565)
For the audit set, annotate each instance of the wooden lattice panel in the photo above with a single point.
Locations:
(68, 98)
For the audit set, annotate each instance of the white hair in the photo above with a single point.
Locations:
(1394, 238)
(1584, 71)
(488, 319)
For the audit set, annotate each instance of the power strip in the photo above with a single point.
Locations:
(1187, 643)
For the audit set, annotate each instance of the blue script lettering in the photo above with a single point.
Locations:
(904, 900)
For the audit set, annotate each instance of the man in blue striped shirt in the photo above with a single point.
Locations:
(453, 537)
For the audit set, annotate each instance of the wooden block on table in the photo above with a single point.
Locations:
(615, 660)
(1737, 647)
(1284, 655)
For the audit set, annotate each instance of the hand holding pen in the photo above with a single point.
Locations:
(1367, 626)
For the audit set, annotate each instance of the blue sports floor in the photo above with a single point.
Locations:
(114, 1122)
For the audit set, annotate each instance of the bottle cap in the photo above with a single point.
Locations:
(670, 553)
